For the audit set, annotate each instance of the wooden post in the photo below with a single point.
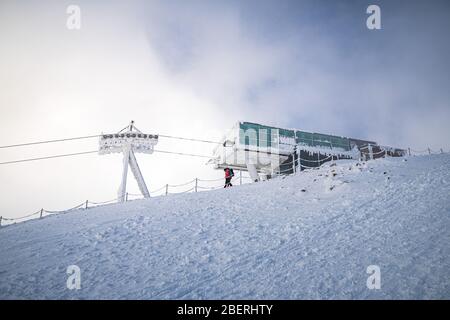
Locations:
(429, 151)
(42, 211)
(409, 151)
(167, 189)
(196, 184)
(87, 203)
(126, 197)
(240, 177)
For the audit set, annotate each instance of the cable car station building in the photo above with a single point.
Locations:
(266, 151)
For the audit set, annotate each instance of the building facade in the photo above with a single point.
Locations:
(266, 151)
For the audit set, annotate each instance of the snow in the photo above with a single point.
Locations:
(307, 236)
(335, 151)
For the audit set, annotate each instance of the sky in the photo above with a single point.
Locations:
(193, 69)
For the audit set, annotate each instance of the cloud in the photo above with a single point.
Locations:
(324, 71)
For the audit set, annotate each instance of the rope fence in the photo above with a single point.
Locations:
(426, 151)
(197, 184)
(193, 186)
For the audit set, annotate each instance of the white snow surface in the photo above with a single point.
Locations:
(268, 240)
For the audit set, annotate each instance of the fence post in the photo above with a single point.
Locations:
(167, 189)
(409, 151)
(42, 211)
(1, 220)
(370, 152)
(240, 177)
(196, 184)
(293, 163)
(429, 151)
(87, 203)
(299, 161)
(385, 153)
(126, 197)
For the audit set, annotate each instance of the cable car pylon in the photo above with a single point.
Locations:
(128, 141)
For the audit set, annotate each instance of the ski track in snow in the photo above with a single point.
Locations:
(268, 240)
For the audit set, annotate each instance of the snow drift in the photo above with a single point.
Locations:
(308, 236)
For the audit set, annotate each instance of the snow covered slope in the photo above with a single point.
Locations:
(311, 235)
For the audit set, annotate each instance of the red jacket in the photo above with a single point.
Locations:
(227, 173)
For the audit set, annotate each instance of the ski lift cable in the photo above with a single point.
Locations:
(96, 151)
(96, 136)
(49, 157)
(260, 139)
(189, 139)
(48, 141)
(184, 154)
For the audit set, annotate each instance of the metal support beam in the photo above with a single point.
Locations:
(138, 175)
(123, 186)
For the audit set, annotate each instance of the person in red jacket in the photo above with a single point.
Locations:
(228, 176)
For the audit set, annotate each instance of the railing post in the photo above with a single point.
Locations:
(293, 163)
(429, 151)
(167, 189)
(87, 204)
(299, 161)
(294, 158)
(126, 197)
(409, 151)
(196, 184)
(42, 211)
(240, 177)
